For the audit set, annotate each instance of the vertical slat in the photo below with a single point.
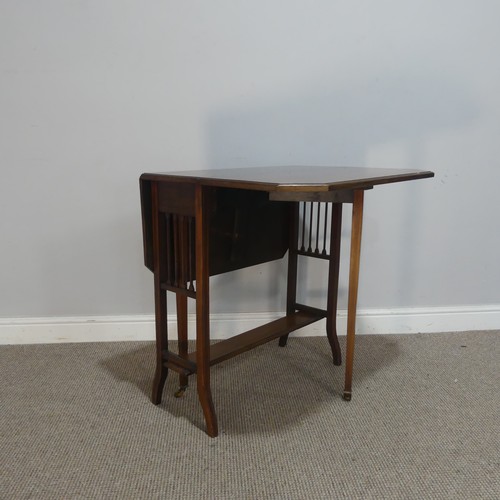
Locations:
(185, 237)
(309, 249)
(357, 224)
(183, 252)
(303, 247)
(170, 249)
(175, 231)
(325, 229)
(190, 253)
(318, 212)
(179, 255)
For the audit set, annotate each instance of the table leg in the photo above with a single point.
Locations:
(202, 313)
(291, 292)
(182, 338)
(357, 224)
(159, 246)
(333, 283)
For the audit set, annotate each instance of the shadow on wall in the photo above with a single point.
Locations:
(332, 124)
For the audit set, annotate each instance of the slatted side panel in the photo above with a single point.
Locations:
(180, 254)
(314, 229)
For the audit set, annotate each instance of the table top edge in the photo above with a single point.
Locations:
(389, 176)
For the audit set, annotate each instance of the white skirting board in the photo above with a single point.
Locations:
(141, 327)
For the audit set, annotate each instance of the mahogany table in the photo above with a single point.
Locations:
(197, 224)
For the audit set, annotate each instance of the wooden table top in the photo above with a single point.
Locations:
(291, 178)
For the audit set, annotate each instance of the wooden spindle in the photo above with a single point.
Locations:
(316, 250)
(191, 254)
(176, 245)
(309, 249)
(183, 257)
(325, 229)
(302, 248)
(169, 246)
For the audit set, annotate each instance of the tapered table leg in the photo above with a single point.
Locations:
(161, 371)
(202, 313)
(291, 293)
(357, 224)
(333, 283)
(159, 245)
(182, 338)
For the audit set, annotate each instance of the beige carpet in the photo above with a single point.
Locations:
(76, 422)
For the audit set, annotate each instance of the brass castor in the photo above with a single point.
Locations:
(180, 391)
(347, 396)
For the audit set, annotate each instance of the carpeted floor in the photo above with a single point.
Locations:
(76, 422)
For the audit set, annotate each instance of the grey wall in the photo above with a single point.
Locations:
(92, 93)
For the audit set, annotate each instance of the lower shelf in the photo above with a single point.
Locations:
(238, 344)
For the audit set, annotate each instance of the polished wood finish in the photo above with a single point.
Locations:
(182, 335)
(226, 349)
(198, 224)
(339, 196)
(333, 282)
(291, 294)
(178, 290)
(202, 310)
(180, 364)
(159, 247)
(245, 229)
(292, 178)
(176, 198)
(356, 230)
